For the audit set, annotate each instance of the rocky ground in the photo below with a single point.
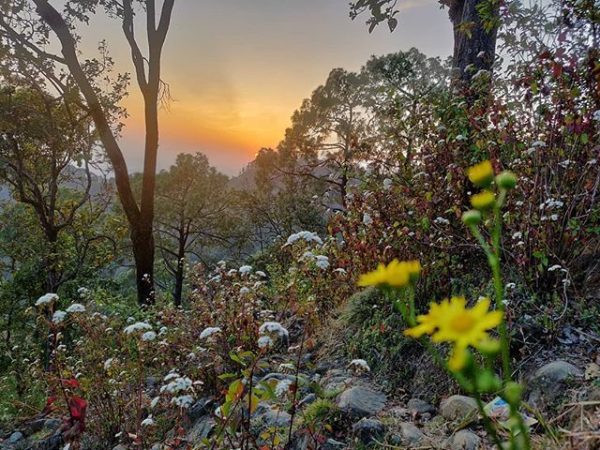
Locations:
(366, 416)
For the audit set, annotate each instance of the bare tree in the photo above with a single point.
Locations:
(27, 37)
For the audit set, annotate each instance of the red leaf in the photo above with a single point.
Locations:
(77, 409)
(72, 383)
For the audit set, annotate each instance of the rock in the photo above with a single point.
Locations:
(200, 408)
(14, 438)
(548, 382)
(307, 400)
(368, 430)
(202, 429)
(458, 407)
(411, 436)
(120, 447)
(360, 401)
(465, 440)
(416, 405)
(271, 417)
(332, 444)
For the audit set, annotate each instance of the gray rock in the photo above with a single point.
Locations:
(465, 440)
(271, 417)
(120, 447)
(416, 405)
(368, 430)
(332, 444)
(458, 407)
(548, 382)
(202, 429)
(310, 398)
(200, 408)
(410, 435)
(359, 401)
(14, 438)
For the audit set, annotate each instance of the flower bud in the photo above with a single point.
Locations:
(513, 392)
(471, 217)
(506, 180)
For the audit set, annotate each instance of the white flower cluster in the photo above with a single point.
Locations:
(137, 326)
(441, 221)
(180, 387)
(76, 308)
(58, 316)
(245, 270)
(209, 331)
(551, 203)
(273, 328)
(307, 236)
(46, 299)
(148, 336)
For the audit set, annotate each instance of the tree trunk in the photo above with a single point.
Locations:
(178, 291)
(474, 45)
(142, 239)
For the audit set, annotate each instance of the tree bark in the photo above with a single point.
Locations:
(473, 49)
(178, 291)
(140, 218)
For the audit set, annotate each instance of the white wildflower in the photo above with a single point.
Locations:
(245, 270)
(244, 290)
(58, 316)
(261, 274)
(273, 327)
(387, 184)
(207, 332)
(441, 221)
(148, 336)
(138, 326)
(264, 342)
(76, 308)
(307, 236)
(108, 363)
(148, 421)
(46, 298)
(183, 401)
(596, 115)
(322, 262)
(154, 402)
(554, 268)
(367, 219)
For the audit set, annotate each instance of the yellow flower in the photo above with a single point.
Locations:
(396, 274)
(429, 322)
(481, 174)
(484, 200)
(451, 321)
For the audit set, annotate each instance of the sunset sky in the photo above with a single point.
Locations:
(238, 69)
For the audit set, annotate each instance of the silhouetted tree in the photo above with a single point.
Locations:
(25, 28)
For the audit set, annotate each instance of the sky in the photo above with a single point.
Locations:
(237, 69)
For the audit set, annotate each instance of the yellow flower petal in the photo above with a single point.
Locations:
(481, 174)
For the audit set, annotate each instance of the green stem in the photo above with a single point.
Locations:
(489, 426)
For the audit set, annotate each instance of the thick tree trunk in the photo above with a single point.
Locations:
(142, 239)
(474, 45)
